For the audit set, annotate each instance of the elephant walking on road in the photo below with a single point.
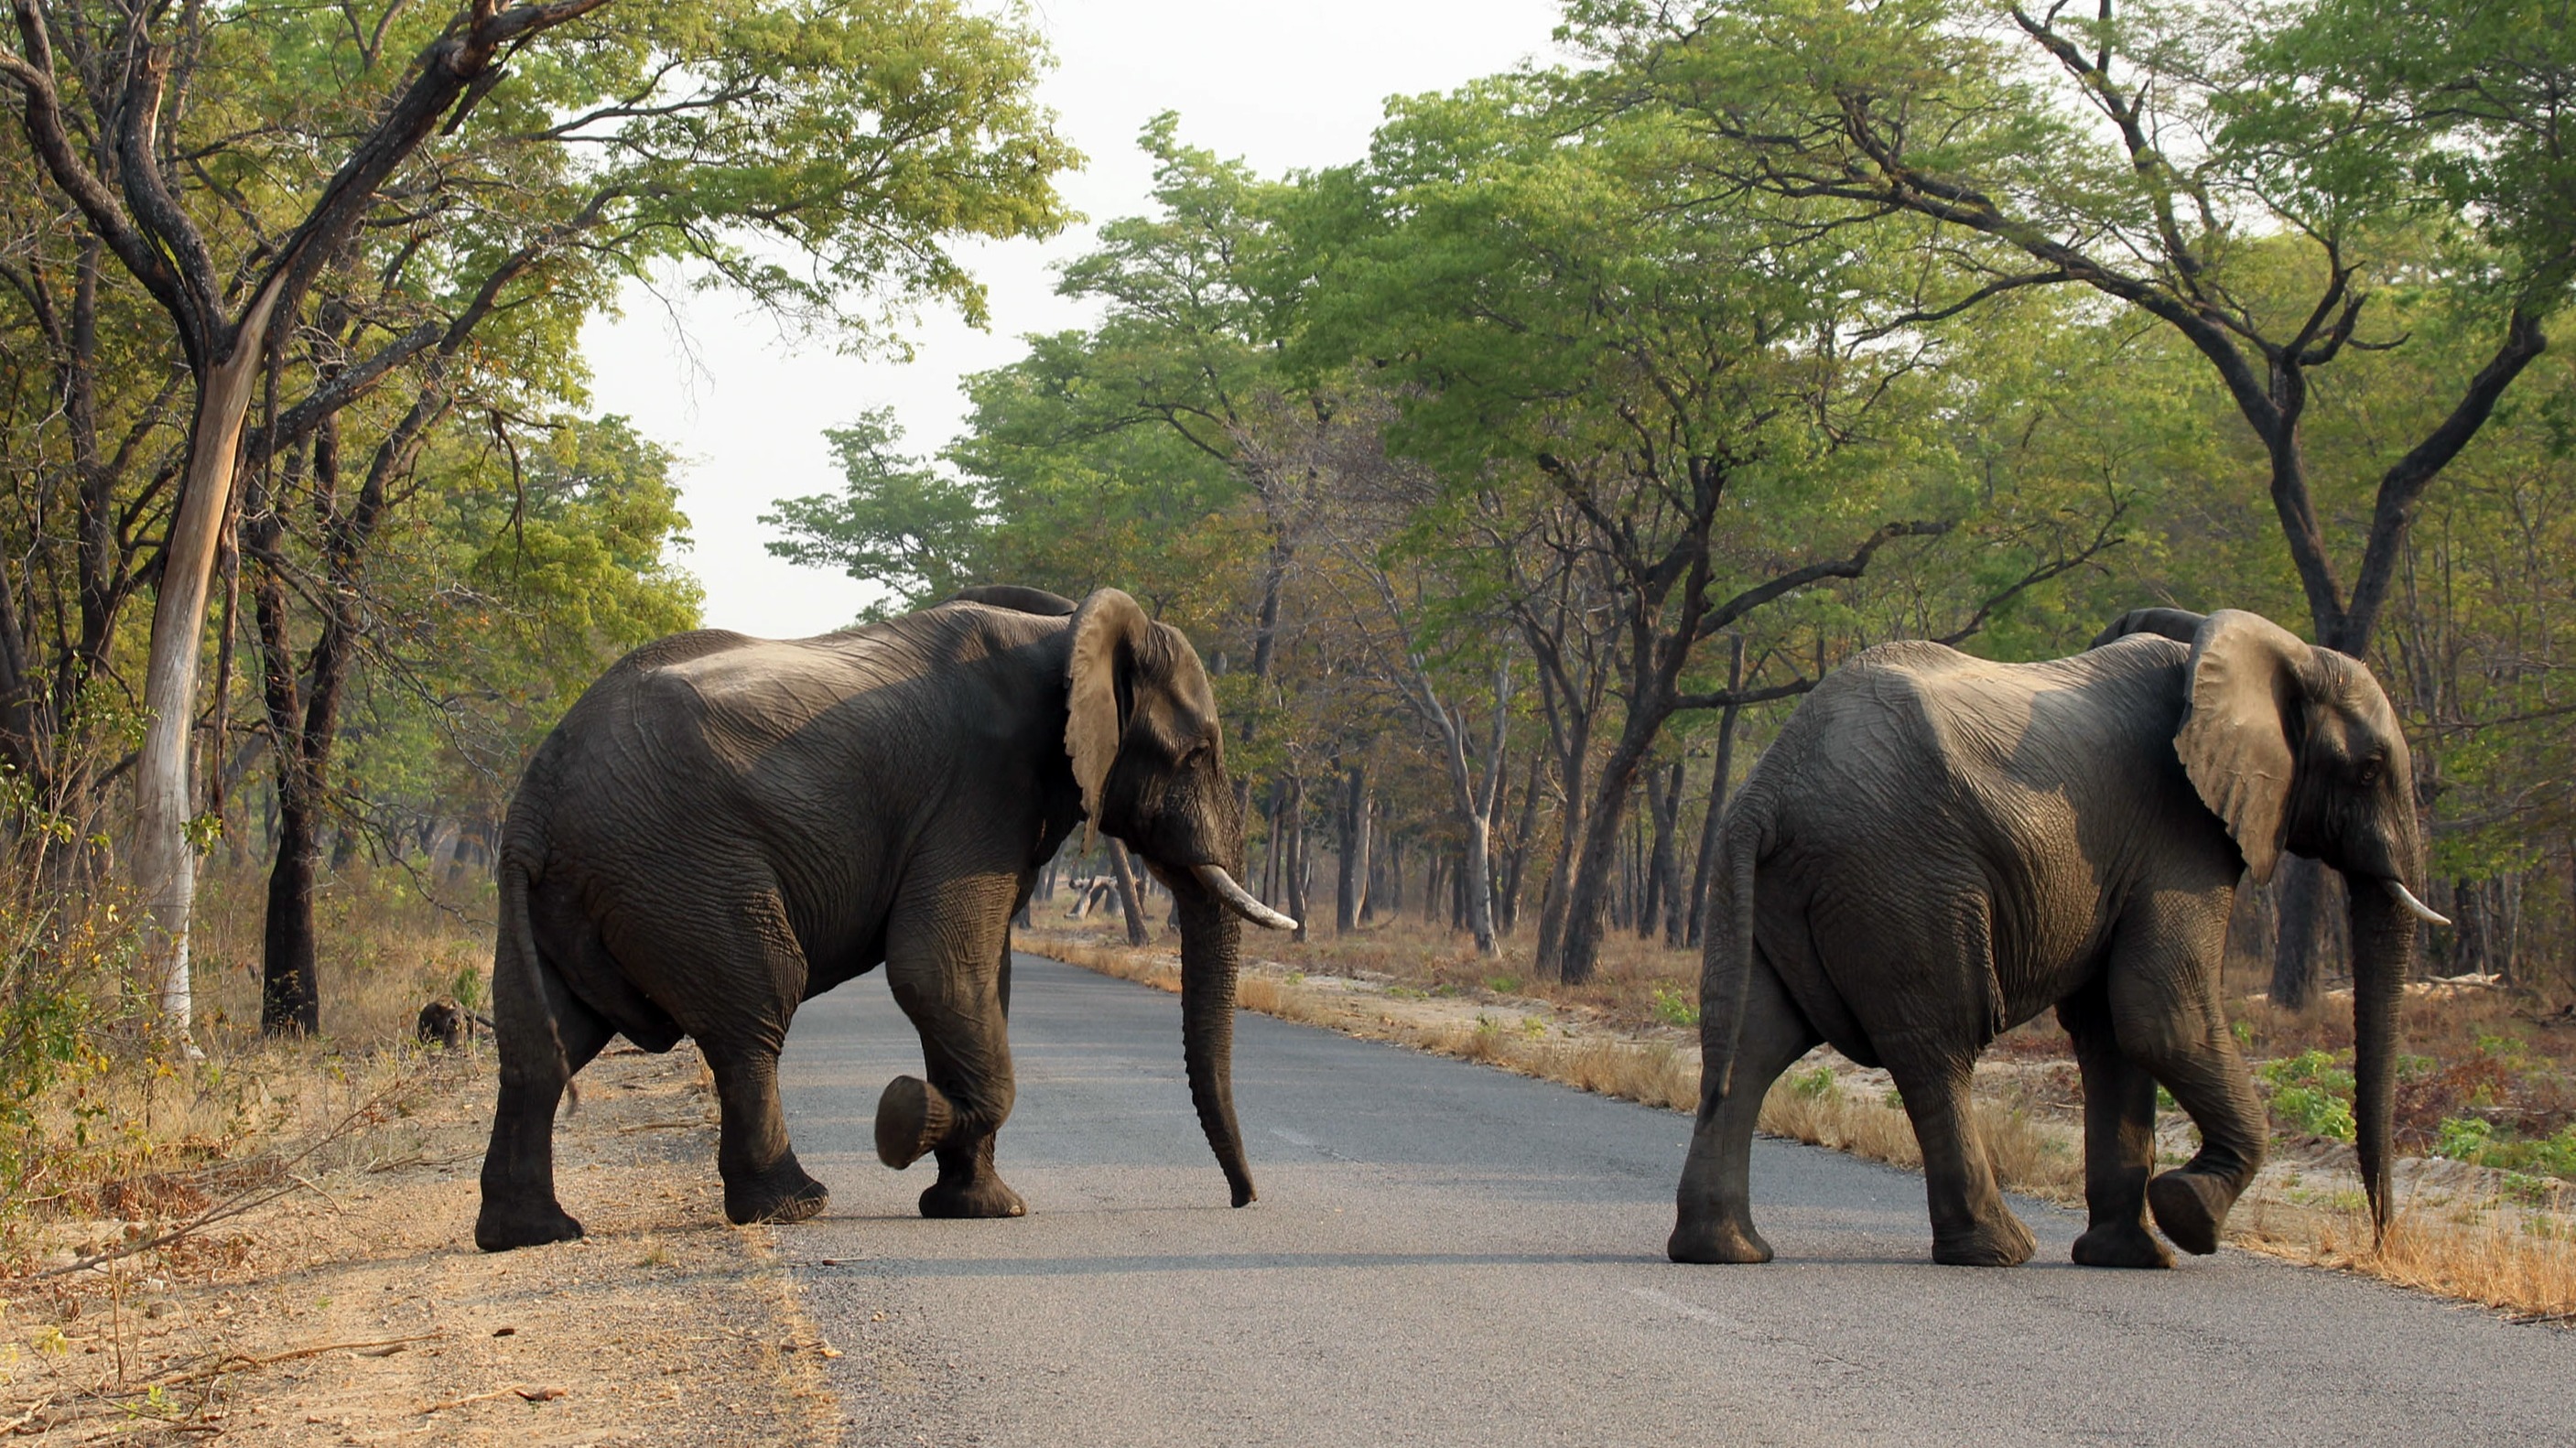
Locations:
(1938, 848)
(724, 827)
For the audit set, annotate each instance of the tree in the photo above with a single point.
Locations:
(901, 525)
(1687, 392)
(833, 129)
(2319, 147)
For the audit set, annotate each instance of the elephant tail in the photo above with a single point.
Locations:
(524, 1028)
(1726, 965)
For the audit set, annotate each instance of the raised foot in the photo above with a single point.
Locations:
(912, 1117)
(2121, 1244)
(1716, 1242)
(2191, 1208)
(499, 1228)
(983, 1196)
(784, 1195)
(2001, 1243)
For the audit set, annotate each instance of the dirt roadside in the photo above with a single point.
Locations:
(357, 1310)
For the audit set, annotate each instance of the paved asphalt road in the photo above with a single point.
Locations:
(1445, 1254)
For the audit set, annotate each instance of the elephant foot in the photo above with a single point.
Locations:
(980, 1196)
(501, 1226)
(785, 1193)
(912, 1117)
(1716, 1242)
(2121, 1244)
(2004, 1242)
(2191, 1208)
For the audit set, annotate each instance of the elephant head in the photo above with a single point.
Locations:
(1149, 756)
(2296, 748)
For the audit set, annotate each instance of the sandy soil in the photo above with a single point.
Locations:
(356, 1309)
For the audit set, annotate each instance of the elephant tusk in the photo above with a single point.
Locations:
(2407, 898)
(1240, 899)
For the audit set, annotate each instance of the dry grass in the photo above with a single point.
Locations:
(2491, 1252)
(2028, 1156)
(130, 1129)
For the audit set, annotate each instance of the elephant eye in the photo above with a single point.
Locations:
(2370, 771)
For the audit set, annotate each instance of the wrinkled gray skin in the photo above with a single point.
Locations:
(1939, 848)
(724, 827)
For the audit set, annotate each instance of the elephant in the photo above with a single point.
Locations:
(1939, 847)
(723, 827)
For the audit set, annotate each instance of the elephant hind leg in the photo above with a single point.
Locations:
(1714, 1206)
(763, 1181)
(1971, 1226)
(2119, 1138)
(544, 1034)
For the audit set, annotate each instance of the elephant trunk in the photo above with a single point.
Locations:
(1211, 952)
(2383, 954)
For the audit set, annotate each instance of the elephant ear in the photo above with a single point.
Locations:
(2244, 685)
(1107, 629)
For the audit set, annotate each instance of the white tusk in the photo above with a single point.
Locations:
(1215, 878)
(2407, 898)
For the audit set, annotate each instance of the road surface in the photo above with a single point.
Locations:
(1447, 1254)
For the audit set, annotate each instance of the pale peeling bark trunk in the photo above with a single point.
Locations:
(165, 867)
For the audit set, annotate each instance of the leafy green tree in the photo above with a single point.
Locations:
(1680, 391)
(2325, 141)
(900, 524)
(818, 156)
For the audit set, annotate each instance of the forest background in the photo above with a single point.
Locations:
(1514, 478)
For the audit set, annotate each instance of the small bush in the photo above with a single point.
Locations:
(1676, 1007)
(2311, 1094)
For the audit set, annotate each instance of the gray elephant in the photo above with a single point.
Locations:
(1938, 848)
(723, 827)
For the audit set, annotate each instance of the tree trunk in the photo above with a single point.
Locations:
(165, 859)
(1588, 901)
(1717, 786)
(1350, 898)
(1664, 872)
(1131, 900)
(1294, 820)
(1516, 855)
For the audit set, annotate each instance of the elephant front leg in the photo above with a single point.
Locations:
(956, 1114)
(1971, 1226)
(763, 1181)
(1713, 1216)
(2164, 1009)
(2119, 1139)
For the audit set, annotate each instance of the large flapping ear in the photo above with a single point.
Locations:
(2243, 682)
(1107, 629)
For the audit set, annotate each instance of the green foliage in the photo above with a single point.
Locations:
(2311, 1094)
(900, 524)
(2475, 1140)
(1819, 1084)
(1676, 1007)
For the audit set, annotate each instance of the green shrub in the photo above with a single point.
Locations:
(2311, 1093)
(1817, 1085)
(1676, 1008)
(2464, 1138)
(2313, 1111)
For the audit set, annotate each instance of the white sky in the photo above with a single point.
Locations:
(1280, 85)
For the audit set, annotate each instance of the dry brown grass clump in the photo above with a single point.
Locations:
(115, 1120)
(2028, 1156)
(2490, 1253)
